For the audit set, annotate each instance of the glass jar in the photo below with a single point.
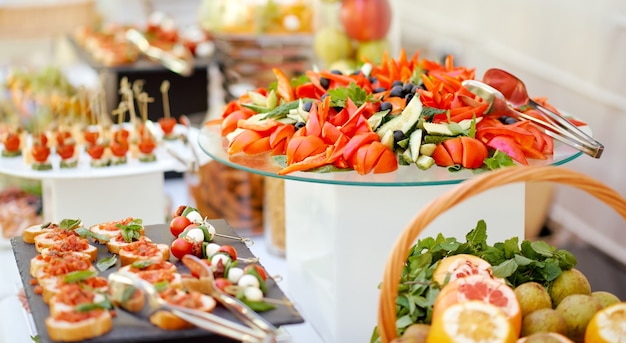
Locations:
(349, 32)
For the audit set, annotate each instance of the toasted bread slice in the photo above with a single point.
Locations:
(197, 301)
(33, 231)
(50, 258)
(70, 295)
(52, 237)
(71, 326)
(53, 285)
(112, 228)
(89, 250)
(116, 243)
(57, 265)
(143, 250)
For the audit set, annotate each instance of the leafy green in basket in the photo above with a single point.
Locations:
(513, 261)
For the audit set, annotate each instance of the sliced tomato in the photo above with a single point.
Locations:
(283, 86)
(257, 125)
(146, 145)
(386, 162)
(242, 140)
(259, 146)
(229, 250)
(119, 148)
(280, 134)
(167, 125)
(474, 152)
(520, 135)
(301, 147)
(454, 146)
(91, 137)
(310, 162)
(357, 141)
(330, 133)
(442, 157)
(229, 123)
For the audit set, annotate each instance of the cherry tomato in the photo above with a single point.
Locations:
(147, 145)
(181, 247)
(229, 250)
(62, 136)
(65, 151)
(40, 153)
(40, 139)
(119, 148)
(260, 270)
(222, 283)
(178, 225)
(95, 151)
(12, 142)
(167, 124)
(121, 134)
(91, 137)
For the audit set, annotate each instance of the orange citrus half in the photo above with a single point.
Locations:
(608, 325)
(462, 265)
(480, 287)
(471, 322)
(545, 337)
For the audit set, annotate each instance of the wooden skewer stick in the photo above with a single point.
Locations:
(120, 112)
(143, 100)
(165, 87)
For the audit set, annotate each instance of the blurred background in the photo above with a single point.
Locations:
(571, 52)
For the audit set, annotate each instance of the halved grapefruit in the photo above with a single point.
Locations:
(471, 322)
(456, 266)
(480, 287)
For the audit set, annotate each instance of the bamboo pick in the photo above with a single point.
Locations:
(165, 86)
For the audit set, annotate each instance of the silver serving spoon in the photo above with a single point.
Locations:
(498, 104)
(122, 285)
(514, 91)
(234, 305)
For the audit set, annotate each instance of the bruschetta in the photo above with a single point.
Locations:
(143, 250)
(194, 300)
(112, 228)
(73, 243)
(74, 326)
(33, 231)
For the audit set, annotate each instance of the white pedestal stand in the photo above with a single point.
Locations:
(97, 200)
(339, 237)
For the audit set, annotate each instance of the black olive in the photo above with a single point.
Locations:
(323, 96)
(324, 82)
(396, 91)
(307, 106)
(397, 83)
(398, 135)
(408, 88)
(507, 120)
(415, 88)
(384, 106)
(408, 97)
(379, 89)
(336, 72)
(373, 79)
(299, 125)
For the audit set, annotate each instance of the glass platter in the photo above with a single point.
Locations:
(214, 145)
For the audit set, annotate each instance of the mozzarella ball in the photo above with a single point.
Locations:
(248, 280)
(253, 294)
(211, 249)
(234, 274)
(195, 235)
(195, 217)
(215, 259)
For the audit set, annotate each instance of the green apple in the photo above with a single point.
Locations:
(372, 51)
(332, 45)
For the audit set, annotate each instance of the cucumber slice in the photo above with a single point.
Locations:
(377, 118)
(415, 141)
(427, 149)
(424, 162)
(405, 121)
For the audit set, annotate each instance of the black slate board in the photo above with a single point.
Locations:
(127, 328)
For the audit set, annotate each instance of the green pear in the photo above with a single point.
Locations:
(571, 281)
(605, 298)
(415, 333)
(543, 320)
(577, 310)
(532, 296)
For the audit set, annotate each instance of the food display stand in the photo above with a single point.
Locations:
(134, 189)
(341, 226)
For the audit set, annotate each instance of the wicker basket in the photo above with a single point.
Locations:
(393, 268)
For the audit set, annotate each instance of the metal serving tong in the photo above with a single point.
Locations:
(123, 284)
(557, 127)
(514, 91)
(180, 65)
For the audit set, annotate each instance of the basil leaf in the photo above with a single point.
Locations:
(106, 263)
(258, 306)
(84, 232)
(104, 305)
(142, 264)
(69, 224)
(161, 286)
(78, 276)
(127, 294)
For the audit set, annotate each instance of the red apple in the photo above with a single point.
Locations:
(366, 20)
